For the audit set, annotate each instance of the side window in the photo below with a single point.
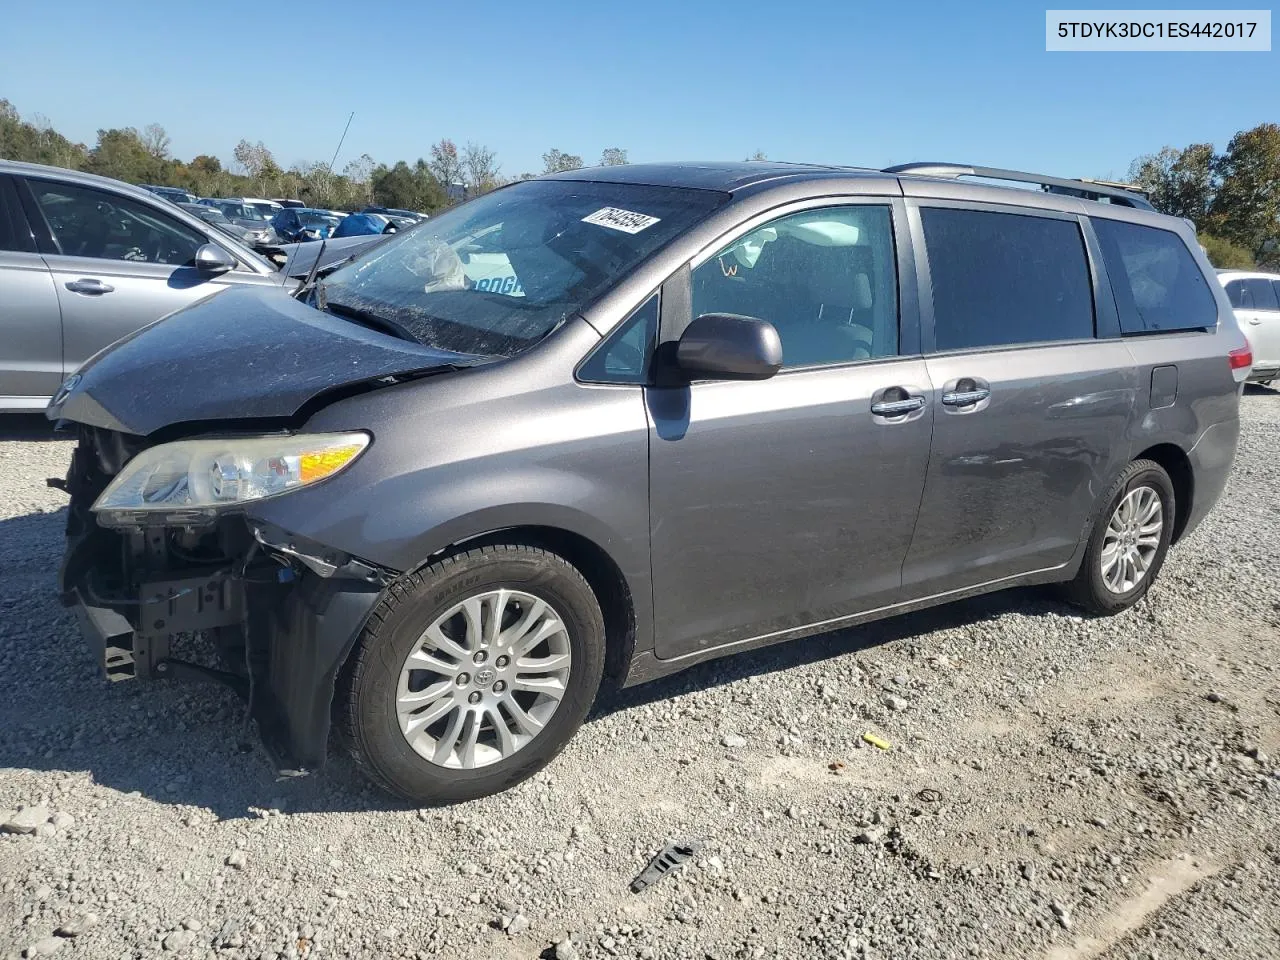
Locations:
(826, 279)
(1262, 293)
(14, 234)
(1275, 285)
(624, 357)
(1003, 278)
(93, 223)
(1238, 295)
(1159, 287)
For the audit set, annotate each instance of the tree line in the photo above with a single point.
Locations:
(446, 175)
(1232, 197)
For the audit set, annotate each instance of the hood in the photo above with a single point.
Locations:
(240, 354)
(300, 256)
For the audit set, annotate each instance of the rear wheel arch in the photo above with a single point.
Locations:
(1177, 465)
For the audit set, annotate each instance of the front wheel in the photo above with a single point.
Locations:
(473, 673)
(1129, 541)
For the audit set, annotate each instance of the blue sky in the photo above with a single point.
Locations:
(841, 82)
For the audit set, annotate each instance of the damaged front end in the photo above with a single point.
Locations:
(282, 613)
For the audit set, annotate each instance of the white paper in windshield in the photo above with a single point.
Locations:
(615, 218)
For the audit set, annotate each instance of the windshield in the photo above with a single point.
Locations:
(264, 210)
(315, 217)
(240, 211)
(494, 276)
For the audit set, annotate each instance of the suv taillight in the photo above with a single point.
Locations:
(1240, 358)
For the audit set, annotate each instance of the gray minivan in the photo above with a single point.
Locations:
(604, 425)
(85, 260)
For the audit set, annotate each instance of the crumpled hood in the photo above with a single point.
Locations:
(242, 353)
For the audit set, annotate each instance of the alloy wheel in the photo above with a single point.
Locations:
(484, 679)
(1132, 539)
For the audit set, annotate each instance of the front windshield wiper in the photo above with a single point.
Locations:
(366, 317)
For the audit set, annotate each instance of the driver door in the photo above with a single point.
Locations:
(117, 264)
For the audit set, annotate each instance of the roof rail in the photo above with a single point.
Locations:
(1086, 189)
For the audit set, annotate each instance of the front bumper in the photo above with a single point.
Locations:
(283, 613)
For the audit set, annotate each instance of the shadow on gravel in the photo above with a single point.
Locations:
(175, 743)
(29, 427)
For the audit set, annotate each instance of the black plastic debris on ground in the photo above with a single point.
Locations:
(671, 856)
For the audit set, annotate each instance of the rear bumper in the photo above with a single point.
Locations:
(1261, 374)
(1211, 459)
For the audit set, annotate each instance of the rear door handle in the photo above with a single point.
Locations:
(965, 398)
(90, 286)
(896, 408)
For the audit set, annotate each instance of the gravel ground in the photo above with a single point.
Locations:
(1056, 788)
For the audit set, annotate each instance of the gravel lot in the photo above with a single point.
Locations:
(1057, 788)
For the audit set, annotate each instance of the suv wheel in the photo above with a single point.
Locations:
(1129, 541)
(473, 673)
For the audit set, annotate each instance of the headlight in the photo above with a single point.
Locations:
(195, 478)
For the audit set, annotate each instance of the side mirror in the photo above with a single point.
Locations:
(211, 258)
(724, 346)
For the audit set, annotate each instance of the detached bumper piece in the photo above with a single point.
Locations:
(282, 613)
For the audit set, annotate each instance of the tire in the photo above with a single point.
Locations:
(381, 683)
(1090, 588)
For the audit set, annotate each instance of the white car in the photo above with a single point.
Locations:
(1256, 299)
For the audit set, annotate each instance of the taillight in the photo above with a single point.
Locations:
(1241, 357)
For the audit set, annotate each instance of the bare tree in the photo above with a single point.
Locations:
(555, 161)
(758, 155)
(156, 140)
(444, 163)
(479, 169)
(613, 157)
(257, 162)
(360, 173)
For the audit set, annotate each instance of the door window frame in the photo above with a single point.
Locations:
(676, 307)
(47, 246)
(1106, 319)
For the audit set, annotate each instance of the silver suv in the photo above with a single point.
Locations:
(85, 260)
(604, 425)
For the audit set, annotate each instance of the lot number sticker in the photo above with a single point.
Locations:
(615, 218)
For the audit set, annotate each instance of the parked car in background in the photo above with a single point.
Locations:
(217, 218)
(85, 260)
(395, 212)
(302, 224)
(361, 224)
(251, 218)
(1256, 299)
(289, 203)
(268, 208)
(172, 194)
(732, 404)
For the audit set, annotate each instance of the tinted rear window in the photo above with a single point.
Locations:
(1003, 278)
(1158, 285)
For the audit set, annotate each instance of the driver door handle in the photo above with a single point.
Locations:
(90, 286)
(896, 408)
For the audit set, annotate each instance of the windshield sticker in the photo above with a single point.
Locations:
(615, 218)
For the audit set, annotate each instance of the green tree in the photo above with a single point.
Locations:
(120, 153)
(613, 157)
(1246, 207)
(758, 155)
(1180, 182)
(555, 161)
(1226, 255)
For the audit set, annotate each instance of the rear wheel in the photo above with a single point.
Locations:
(473, 673)
(1129, 541)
